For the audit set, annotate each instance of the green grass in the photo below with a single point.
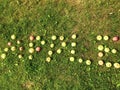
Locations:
(86, 18)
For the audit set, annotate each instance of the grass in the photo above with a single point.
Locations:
(60, 17)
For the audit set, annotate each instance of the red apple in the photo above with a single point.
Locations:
(38, 49)
(31, 38)
(9, 43)
(21, 48)
(116, 38)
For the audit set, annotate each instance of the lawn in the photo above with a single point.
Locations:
(58, 65)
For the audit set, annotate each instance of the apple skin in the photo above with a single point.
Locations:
(38, 49)
(21, 48)
(9, 43)
(31, 38)
(116, 38)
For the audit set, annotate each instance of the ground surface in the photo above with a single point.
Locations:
(86, 18)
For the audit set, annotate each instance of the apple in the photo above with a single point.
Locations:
(38, 49)
(31, 38)
(21, 48)
(116, 38)
(9, 43)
